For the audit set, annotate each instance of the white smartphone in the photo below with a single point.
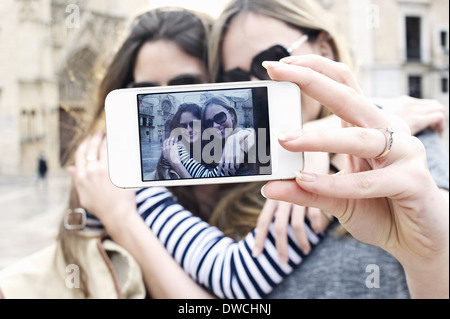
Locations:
(201, 134)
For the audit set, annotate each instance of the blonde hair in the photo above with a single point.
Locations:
(240, 205)
(305, 15)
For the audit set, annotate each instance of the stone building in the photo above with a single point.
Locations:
(400, 46)
(51, 53)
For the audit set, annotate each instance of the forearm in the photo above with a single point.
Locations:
(211, 258)
(163, 277)
(427, 273)
(197, 170)
(180, 170)
(430, 281)
(188, 167)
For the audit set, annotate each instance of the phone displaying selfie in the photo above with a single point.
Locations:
(201, 134)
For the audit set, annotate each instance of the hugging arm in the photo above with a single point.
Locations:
(215, 261)
(182, 163)
(196, 169)
(234, 150)
(419, 114)
(173, 154)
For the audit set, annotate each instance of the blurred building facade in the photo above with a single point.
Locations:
(52, 53)
(400, 46)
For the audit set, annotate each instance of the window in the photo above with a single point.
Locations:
(413, 39)
(444, 41)
(444, 83)
(415, 86)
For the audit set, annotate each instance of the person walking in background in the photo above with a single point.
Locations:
(42, 170)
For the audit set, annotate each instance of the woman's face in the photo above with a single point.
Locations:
(192, 124)
(225, 125)
(249, 34)
(162, 61)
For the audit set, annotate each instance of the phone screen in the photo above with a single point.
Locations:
(204, 134)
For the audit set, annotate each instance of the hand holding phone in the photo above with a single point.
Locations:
(200, 134)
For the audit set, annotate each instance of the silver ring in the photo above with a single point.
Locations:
(388, 133)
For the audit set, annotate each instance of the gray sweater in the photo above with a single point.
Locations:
(341, 267)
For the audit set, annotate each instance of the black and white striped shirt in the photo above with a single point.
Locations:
(217, 262)
(194, 168)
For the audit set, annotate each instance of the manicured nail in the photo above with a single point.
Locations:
(305, 177)
(262, 192)
(284, 259)
(288, 136)
(256, 251)
(267, 64)
(287, 60)
(306, 250)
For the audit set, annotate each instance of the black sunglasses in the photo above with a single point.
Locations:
(274, 53)
(219, 118)
(179, 80)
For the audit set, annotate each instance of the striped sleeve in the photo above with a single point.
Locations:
(194, 168)
(215, 261)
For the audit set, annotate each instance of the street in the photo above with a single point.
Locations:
(30, 214)
(151, 152)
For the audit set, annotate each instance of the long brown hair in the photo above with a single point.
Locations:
(188, 30)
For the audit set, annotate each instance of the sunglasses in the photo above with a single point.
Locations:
(179, 80)
(274, 53)
(219, 118)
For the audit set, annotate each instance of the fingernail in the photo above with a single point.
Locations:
(284, 259)
(305, 177)
(287, 60)
(288, 136)
(256, 252)
(306, 250)
(267, 64)
(262, 192)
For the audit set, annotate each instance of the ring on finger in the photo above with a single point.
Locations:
(389, 135)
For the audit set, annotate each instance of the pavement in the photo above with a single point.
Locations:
(30, 214)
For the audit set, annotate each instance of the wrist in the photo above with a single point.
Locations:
(425, 258)
(120, 220)
(429, 279)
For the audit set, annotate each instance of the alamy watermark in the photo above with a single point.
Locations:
(373, 279)
(73, 278)
(209, 148)
(73, 17)
(373, 16)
